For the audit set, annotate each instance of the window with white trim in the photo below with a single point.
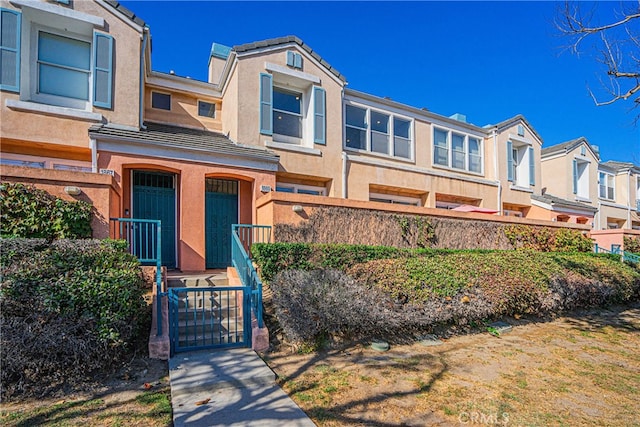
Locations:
(287, 113)
(376, 131)
(606, 185)
(301, 189)
(457, 150)
(393, 199)
(58, 57)
(520, 164)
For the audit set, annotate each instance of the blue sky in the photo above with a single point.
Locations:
(487, 60)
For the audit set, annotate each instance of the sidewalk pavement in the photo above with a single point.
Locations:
(230, 387)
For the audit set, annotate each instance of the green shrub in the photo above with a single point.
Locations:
(68, 309)
(632, 244)
(32, 213)
(546, 239)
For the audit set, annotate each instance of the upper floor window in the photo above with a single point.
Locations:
(206, 109)
(520, 164)
(312, 190)
(581, 179)
(161, 101)
(399, 200)
(287, 113)
(606, 186)
(456, 150)
(295, 115)
(377, 132)
(64, 61)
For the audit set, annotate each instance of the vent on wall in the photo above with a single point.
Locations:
(294, 59)
(520, 130)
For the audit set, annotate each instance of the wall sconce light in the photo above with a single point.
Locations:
(72, 190)
(297, 208)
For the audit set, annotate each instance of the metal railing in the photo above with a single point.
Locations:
(145, 242)
(615, 250)
(242, 237)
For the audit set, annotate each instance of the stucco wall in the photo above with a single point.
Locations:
(184, 110)
(190, 196)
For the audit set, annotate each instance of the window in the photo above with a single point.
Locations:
(312, 190)
(161, 101)
(295, 115)
(581, 179)
(606, 182)
(287, 113)
(398, 200)
(206, 109)
(456, 150)
(64, 66)
(520, 164)
(378, 132)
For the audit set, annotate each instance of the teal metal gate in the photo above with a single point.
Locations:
(212, 317)
(221, 211)
(154, 197)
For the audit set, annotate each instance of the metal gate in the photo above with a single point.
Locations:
(221, 211)
(154, 197)
(209, 317)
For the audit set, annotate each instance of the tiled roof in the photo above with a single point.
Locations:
(568, 146)
(512, 120)
(184, 138)
(126, 12)
(557, 201)
(617, 166)
(285, 40)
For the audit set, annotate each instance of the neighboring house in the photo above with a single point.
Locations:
(569, 181)
(78, 95)
(618, 196)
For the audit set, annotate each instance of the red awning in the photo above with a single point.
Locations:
(469, 208)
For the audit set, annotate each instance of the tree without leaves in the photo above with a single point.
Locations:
(617, 42)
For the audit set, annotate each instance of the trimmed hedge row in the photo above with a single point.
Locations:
(69, 309)
(391, 293)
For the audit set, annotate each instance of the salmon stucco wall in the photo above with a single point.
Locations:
(190, 196)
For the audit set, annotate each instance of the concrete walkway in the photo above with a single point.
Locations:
(238, 387)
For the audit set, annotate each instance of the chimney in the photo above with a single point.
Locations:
(459, 117)
(217, 59)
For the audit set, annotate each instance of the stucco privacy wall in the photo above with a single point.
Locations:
(98, 190)
(190, 197)
(330, 220)
(32, 127)
(606, 238)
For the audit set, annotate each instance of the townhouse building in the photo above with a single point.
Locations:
(82, 107)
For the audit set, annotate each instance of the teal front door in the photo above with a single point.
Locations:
(154, 197)
(221, 211)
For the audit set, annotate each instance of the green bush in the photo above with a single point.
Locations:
(546, 239)
(84, 298)
(632, 244)
(32, 213)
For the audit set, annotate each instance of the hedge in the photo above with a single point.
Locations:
(407, 292)
(69, 309)
(28, 212)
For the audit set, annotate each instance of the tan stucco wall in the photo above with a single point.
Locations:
(615, 214)
(190, 197)
(39, 128)
(98, 190)
(184, 110)
(557, 176)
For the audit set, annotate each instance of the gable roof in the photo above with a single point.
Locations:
(184, 138)
(247, 47)
(555, 201)
(567, 146)
(510, 122)
(126, 12)
(619, 166)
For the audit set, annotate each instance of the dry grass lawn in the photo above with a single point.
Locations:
(581, 370)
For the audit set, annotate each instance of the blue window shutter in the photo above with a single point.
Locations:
(575, 177)
(532, 168)
(102, 70)
(290, 58)
(266, 104)
(510, 161)
(297, 60)
(319, 116)
(10, 49)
